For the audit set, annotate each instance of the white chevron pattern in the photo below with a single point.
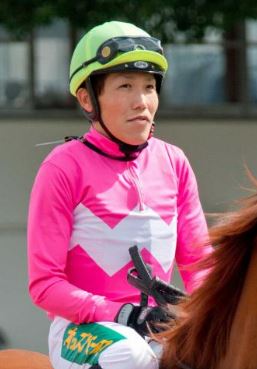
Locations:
(109, 247)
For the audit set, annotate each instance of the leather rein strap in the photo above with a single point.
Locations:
(140, 277)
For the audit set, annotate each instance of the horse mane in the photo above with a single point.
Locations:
(199, 337)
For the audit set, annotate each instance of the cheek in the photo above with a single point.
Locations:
(109, 104)
(154, 103)
(111, 111)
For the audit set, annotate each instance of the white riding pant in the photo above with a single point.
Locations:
(104, 345)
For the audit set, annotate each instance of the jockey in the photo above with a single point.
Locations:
(96, 196)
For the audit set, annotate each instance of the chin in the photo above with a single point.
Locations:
(137, 140)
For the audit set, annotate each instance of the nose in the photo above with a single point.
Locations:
(139, 100)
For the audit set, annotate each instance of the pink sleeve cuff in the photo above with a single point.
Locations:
(107, 311)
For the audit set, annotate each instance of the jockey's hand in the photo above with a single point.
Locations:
(144, 319)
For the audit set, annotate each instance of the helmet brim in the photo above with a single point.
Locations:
(132, 56)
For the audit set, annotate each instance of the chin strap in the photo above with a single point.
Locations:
(124, 147)
(128, 156)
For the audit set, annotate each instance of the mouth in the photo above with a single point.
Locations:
(139, 119)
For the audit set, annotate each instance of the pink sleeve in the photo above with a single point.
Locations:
(192, 227)
(49, 230)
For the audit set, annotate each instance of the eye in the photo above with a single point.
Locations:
(151, 86)
(125, 85)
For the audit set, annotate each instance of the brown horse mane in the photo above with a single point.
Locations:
(200, 336)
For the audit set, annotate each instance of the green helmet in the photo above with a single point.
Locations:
(112, 45)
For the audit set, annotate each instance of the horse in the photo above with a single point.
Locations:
(216, 327)
(23, 359)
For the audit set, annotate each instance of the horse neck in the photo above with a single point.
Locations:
(229, 310)
(202, 337)
(242, 351)
(226, 304)
(228, 298)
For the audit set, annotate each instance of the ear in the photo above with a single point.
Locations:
(84, 99)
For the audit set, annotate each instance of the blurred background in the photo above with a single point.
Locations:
(208, 107)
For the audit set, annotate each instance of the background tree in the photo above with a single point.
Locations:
(22, 16)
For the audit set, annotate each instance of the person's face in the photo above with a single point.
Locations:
(128, 103)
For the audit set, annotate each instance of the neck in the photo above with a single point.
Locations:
(126, 148)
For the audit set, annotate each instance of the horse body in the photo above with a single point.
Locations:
(217, 328)
(23, 359)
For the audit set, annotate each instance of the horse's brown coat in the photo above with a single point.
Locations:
(242, 349)
(23, 359)
(217, 328)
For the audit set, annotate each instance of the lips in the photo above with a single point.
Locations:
(141, 118)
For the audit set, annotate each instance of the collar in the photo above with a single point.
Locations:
(107, 146)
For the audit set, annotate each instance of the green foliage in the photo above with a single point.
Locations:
(163, 18)
(193, 17)
(86, 14)
(21, 16)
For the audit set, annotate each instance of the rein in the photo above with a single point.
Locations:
(141, 278)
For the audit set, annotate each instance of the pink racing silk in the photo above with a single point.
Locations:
(86, 210)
